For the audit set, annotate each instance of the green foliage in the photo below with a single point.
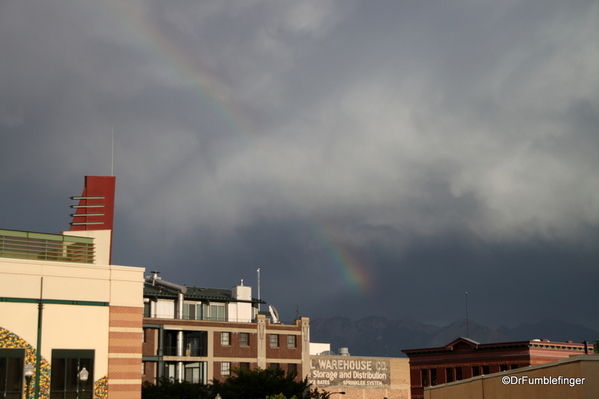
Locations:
(315, 393)
(167, 388)
(243, 384)
(259, 384)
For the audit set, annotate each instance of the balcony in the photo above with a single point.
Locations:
(48, 247)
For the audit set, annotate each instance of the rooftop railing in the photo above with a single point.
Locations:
(41, 246)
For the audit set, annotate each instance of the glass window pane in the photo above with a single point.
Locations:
(65, 376)
(2, 374)
(57, 382)
(14, 374)
(72, 371)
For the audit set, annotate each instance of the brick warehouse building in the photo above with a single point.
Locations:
(361, 377)
(200, 334)
(61, 296)
(465, 358)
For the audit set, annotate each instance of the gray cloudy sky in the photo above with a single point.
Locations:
(371, 157)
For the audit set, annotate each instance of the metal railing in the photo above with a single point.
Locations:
(171, 315)
(41, 246)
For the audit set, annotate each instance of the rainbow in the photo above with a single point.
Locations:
(346, 260)
(219, 97)
(182, 65)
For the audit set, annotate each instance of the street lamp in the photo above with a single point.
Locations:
(83, 375)
(28, 374)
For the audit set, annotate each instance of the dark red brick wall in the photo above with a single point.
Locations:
(283, 352)
(235, 349)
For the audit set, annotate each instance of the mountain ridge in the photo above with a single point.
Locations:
(381, 337)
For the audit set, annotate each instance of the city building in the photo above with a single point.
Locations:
(574, 377)
(465, 358)
(358, 377)
(199, 334)
(61, 297)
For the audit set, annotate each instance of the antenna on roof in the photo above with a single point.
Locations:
(258, 289)
(112, 153)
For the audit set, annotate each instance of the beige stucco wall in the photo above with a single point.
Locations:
(585, 368)
(126, 286)
(102, 243)
(67, 326)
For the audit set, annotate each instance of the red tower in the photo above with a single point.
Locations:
(95, 210)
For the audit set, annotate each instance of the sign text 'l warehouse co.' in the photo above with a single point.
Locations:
(349, 371)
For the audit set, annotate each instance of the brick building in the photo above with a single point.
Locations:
(465, 358)
(201, 334)
(361, 377)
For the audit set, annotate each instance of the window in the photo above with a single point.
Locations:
(514, 366)
(170, 343)
(194, 311)
(218, 312)
(11, 373)
(225, 368)
(292, 368)
(274, 366)
(433, 376)
(244, 339)
(225, 338)
(195, 372)
(274, 340)
(196, 343)
(485, 369)
(503, 367)
(244, 366)
(170, 370)
(66, 365)
(449, 374)
(475, 371)
(424, 377)
(291, 341)
(458, 373)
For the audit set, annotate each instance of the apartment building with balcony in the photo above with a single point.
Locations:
(198, 334)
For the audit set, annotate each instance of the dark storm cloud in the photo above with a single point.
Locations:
(369, 157)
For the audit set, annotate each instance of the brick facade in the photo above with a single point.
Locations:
(230, 351)
(125, 352)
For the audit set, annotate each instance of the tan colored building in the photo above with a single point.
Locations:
(575, 377)
(361, 377)
(60, 296)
